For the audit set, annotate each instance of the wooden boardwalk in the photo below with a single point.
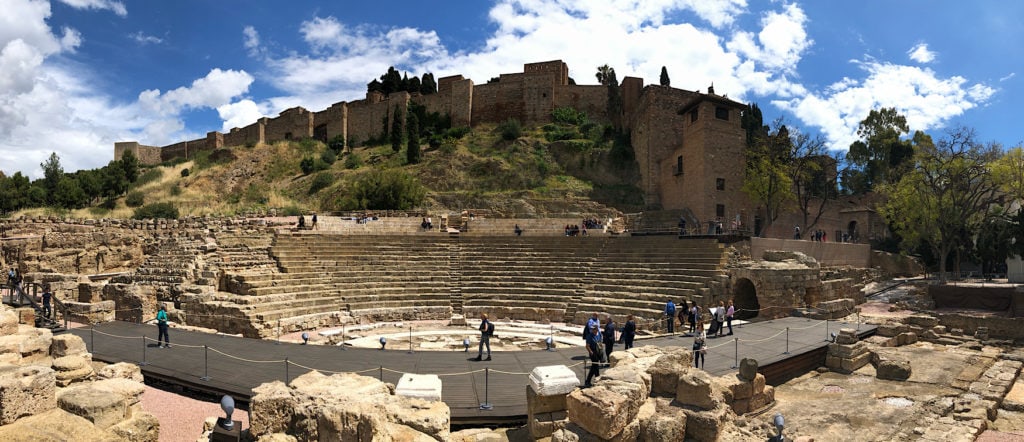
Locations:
(232, 365)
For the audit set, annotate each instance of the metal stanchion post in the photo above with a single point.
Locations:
(736, 357)
(143, 362)
(92, 339)
(486, 405)
(206, 363)
(858, 321)
(278, 342)
(826, 329)
(787, 341)
(380, 371)
(343, 336)
(286, 378)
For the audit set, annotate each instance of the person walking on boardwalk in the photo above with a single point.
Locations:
(700, 346)
(609, 336)
(628, 332)
(729, 314)
(594, 351)
(670, 313)
(486, 331)
(161, 325)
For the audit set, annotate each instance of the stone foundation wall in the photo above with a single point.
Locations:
(826, 253)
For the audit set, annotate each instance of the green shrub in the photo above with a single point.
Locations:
(510, 129)
(109, 204)
(457, 132)
(328, 157)
(307, 165)
(149, 176)
(292, 211)
(337, 144)
(568, 115)
(307, 145)
(134, 199)
(175, 190)
(353, 161)
(383, 190)
(320, 181)
(155, 211)
(184, 172)
(561, 134)
(256, 194)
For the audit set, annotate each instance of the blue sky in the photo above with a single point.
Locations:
(78, 75)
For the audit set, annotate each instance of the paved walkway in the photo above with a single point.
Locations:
(233, 365)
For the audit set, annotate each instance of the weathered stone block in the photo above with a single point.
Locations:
(893, 369)
(748, 369)
(104, 403)
(8, 322)
(628, 373)
(694, 388)
(921, 321)
(906, 338)
(536, 403)
(599, 410)
(847, 351)
(852, 364)
(667, 369)
(123, 370)
(421, 386)
(553, 380)
(706, 425)
(25, 391)
(141, 427)
(544, 424)
(66, 345)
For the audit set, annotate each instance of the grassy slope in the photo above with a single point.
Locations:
(528, 176)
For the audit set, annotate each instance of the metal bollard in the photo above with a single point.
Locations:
(143, 362)
(787, 341)
(486, 405)
(410, 339)
(206, 363)
(736, 348)
(287, 379)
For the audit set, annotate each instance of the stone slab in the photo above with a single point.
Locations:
(1014, 400)
(421, 386)
(550, 380)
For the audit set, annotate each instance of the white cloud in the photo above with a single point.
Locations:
(921, 54)
(926, 99)
(48, 105)
(144, 39)
(239, 114)
(1007, 76)
(251, 41)
(115, 6)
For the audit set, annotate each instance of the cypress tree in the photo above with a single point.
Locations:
(396, 131)
(412, 152)
(665, 81)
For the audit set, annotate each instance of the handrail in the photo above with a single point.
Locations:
(879, 292)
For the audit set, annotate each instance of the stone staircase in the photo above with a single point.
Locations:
(322, 279)
(170, 261)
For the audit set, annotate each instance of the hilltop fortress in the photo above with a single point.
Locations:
(689, 145)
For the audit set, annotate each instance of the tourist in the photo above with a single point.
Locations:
(682, 225)
(518, 231)
(302, 222)
(314, 221)
(700, 346)
(609, 336)
(696, 317)
(628, 332)
(729, 314)
(161, 325)
(486, 331)
(591, 323)
(670, 312)
(796, 232)
(681, 313)
(690, 312)
(720, 319)
(594, 351)
(430, 223)
(46, 301)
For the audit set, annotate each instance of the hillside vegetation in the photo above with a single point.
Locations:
(572, 167)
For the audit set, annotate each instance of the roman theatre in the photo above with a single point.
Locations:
(254, 302)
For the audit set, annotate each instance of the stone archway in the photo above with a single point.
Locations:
(744, 296)
(851, 230)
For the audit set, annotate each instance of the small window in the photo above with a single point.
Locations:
(693, 116)
(720, 210)
(722, 113)
(720, 184)
(679, 165)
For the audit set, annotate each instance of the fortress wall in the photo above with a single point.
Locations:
(454, 97)
(293, 124)
(657, 131)
(371, 118)
(148, 155)
(252, 133)
(214, 140)
(184, 149)
(497, 102)
(333, 122)
(630, 90)
(593, 100)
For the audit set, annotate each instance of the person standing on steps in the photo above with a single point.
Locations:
(729, 314)
(628, 332)
(47, 295)
(700, 346)
(486, 331)
(609, 337)
(161, 325)
(670, 313)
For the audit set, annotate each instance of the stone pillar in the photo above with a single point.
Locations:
(545, 399)
(847, 354)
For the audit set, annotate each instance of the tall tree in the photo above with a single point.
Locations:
(813, 173)
(130, 163)
(880, 155)
(665, 81)
(605, 74)
(52, 173)
(767, 178)
(753, 123)
(946, 194)
(412, 152)
(396, 130)
(428, 85)
(391, 81)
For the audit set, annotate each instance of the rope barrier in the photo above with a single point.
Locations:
(762, 340)
(809, 326)
(510, 373)
(277, 361)
(115, 336)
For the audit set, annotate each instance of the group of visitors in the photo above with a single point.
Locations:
(592, 223)
(427, 223)
(819, 235)
(693, 314)
(601, 341)
(301, 224)
(574, 230)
